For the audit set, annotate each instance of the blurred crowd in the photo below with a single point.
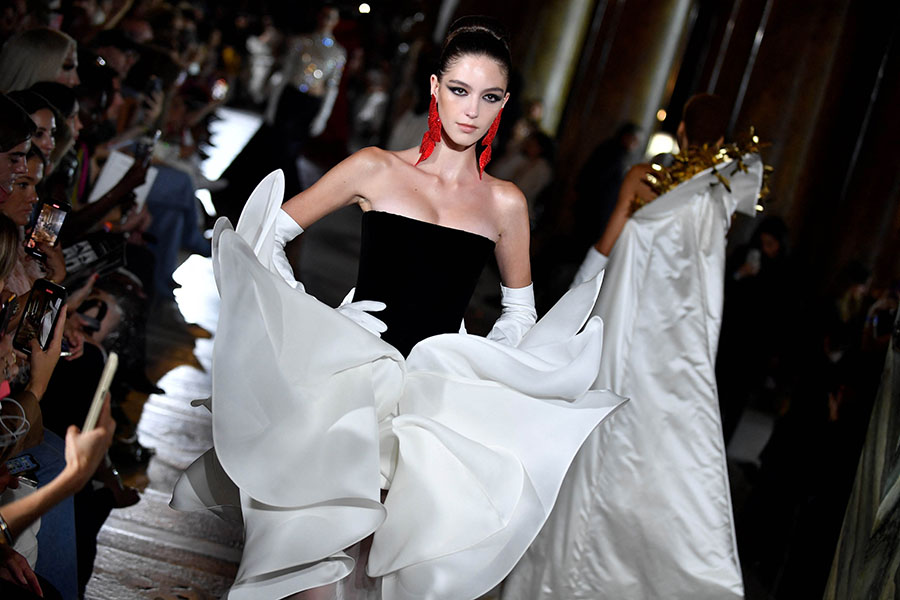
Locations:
(107, 111)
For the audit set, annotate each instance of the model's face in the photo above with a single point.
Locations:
(21, 201)
(12, 164)
(469, 96)
(68, 71)
(44, 138)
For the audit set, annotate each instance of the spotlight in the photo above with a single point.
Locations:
(661, 115)
(365, 8)
(661, 143)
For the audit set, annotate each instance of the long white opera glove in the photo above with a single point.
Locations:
(593, 263)
(358, 312)
(286, 229)
(517, 317)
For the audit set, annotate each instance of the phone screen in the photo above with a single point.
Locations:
(219, 89)
(46, 227)
(39, 318)
(22, 464)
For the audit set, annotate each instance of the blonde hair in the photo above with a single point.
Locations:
(9, 246)
(32, 56)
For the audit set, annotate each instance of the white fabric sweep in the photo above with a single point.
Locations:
(313, 416)
(645, 511)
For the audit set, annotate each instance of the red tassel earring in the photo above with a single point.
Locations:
(433, 135)
(485, 157)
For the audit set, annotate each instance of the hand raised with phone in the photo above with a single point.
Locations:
(44, 361)
(85, 449)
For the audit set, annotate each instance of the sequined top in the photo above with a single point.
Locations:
(314, 63)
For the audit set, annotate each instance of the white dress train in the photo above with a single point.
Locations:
(645, 511)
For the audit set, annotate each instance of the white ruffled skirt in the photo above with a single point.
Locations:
(313, 416)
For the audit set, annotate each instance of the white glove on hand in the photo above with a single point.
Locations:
(518, 316)
(593, 263)
(358, 312)
(286, 229)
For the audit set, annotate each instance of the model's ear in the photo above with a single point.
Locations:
(434, 85)
(505, 100)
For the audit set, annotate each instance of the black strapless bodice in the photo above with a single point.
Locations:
(424, 273)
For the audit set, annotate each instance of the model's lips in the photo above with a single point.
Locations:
(466, 128)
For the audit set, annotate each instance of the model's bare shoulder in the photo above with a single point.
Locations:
(509, 201)
(507, 195)
(372, 157)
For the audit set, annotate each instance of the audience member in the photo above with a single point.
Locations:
(42, 54)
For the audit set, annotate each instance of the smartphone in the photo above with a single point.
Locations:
(22, 464)
(219, 89)
(109, 370)
(153, 86)
(39, 318)
(9, 303)
(143, 149)
(46, 228)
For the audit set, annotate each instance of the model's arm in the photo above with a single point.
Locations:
(632, 186)
(343, 185)
(512, 251)
(513, 258)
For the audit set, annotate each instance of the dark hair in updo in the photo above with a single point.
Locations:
(705, 119)
(478, 35)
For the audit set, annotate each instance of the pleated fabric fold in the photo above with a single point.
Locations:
(313, 416)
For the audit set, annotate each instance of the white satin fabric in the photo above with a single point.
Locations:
(645, 511)
(313, 415)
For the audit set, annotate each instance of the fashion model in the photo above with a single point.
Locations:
(645, 511)
(449, 448)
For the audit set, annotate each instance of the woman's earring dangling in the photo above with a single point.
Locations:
(433, 135)
(485, 157)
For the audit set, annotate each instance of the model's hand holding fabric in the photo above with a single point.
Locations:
(594, 262)
(358, 312)
(286, 229)
(518, 315)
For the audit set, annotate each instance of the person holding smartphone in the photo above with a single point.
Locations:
(82, 451)
(19, 208)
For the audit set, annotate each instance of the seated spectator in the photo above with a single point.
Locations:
(79, 457)
(41, 54)
(45, 117)
(16, 129)
(68, 125)
(19, 207)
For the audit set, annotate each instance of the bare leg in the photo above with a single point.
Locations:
(326, 592)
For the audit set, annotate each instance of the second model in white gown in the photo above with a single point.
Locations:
(313, 416)
(645, 511)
